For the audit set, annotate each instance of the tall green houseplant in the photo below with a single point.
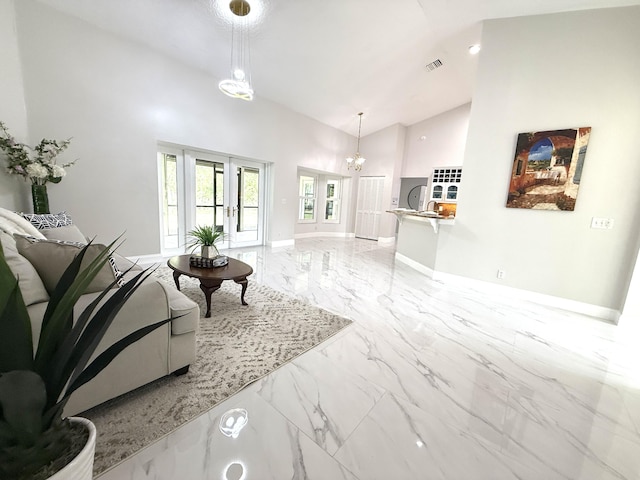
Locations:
(34, 388)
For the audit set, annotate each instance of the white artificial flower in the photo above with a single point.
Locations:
(35, 170)
(58, 171)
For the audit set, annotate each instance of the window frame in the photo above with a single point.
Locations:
(335, 199)
(302, 198)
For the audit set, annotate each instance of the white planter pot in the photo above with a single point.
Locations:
(81, 468)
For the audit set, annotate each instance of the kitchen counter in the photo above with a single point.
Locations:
(432, 218)
(416, 245)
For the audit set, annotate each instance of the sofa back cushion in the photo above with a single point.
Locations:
(51, 258)
(66, 233)
(31, 286)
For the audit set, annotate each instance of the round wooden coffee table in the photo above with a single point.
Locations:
(211, 278)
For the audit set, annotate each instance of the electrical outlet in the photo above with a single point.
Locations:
(501, 274)
(602, 223)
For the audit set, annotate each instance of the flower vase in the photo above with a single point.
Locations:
(40, 199)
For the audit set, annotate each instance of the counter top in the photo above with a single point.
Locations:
(431, 217)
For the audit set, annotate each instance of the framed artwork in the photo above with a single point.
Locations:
(547, 167)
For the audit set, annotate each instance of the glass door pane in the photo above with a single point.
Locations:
(247, 193)
(209, 194)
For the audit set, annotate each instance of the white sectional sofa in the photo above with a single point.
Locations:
(169, 349)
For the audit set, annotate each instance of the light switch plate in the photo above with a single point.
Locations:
(602, 223)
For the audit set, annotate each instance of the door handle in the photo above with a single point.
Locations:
(228, 211)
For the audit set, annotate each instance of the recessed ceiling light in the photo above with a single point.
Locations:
(473, 49)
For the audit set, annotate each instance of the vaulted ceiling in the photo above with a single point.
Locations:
(330, 59)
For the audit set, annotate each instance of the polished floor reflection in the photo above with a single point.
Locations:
(430, 382)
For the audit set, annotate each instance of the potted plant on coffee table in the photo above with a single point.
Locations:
(205, 237)
(36, 440)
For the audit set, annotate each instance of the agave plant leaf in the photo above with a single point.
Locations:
(102, 360)
(58, 319)
(60, 367)
(89, 337)
(63, 354)
(23, 397)
(16, 345)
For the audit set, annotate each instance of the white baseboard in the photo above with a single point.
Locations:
(281, 243)
(148, 259)
(415, 265)
(603, 313)
(323, 234)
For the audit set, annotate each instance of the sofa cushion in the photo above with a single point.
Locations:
(51, 258)
(48, 220)
(31, 285)
(66, 233)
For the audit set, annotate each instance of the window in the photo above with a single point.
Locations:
(332, 203)
(307, 211)
(452, 193)
(437, 192)
(168, 179)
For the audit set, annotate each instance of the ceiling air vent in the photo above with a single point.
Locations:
(437, 63)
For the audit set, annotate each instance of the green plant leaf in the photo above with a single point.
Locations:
(205, 235)
(105, 358)
(62, 365)
(91, 335)
(23, 397)
(58, 318)
(16, 345)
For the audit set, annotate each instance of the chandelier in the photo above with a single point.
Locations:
(239, 85)
(356, 161)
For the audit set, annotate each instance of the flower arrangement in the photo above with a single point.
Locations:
(38, 163)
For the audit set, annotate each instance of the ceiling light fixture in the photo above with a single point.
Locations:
(474, 49)
(357, 161)
(239, 85)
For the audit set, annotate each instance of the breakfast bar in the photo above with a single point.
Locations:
(418, 237)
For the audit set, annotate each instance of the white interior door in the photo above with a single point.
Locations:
(369, 207)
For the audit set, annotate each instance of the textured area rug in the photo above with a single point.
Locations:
(236, 346)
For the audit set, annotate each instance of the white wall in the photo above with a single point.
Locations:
(117, 99)
(13, 112)
(541, 73)
(443, 145)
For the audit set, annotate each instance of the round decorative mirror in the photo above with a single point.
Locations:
(413, 199)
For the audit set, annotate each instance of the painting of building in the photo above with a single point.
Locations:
(547, 167)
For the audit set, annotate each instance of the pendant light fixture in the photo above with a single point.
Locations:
(357, 161)
(239, 85)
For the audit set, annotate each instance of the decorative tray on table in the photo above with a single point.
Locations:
(202, 262)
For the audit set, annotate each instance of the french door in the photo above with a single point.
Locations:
(198, 188)
(228, 193)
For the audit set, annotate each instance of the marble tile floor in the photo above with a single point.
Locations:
(431, 381)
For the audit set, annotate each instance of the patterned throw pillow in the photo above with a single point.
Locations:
(51, 258)
(48, 220)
